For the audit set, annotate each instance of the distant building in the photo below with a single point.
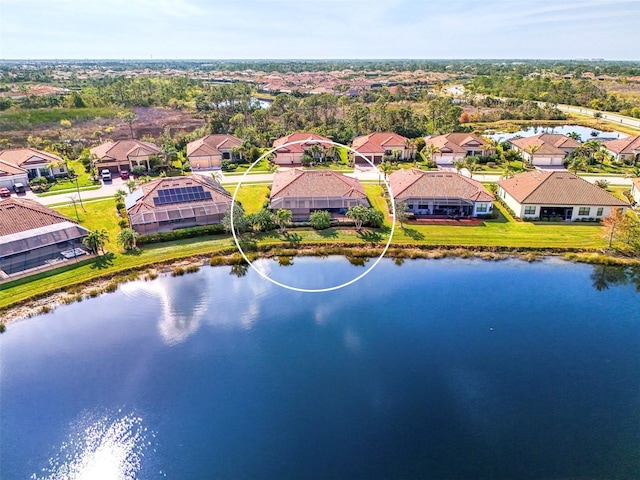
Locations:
(34, 236)
(305, 191)
(124, 155)
(557, 195)
(376, 145)
(208, 152)
(452, 147)
(177, 202)
(24, 164)
(545, 149)
(438, 193)
(291, 155)
(624, 149)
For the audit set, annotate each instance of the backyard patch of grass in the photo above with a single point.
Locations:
(96, 216)
(252, 197)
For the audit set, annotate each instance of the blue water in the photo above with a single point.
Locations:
(435, 369)
(584, 132)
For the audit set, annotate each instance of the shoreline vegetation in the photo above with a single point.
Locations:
(55, 294)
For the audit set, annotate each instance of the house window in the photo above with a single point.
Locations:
(530, 210)
(584, 210)
(481, 207)
(410, 207)
(423, 207)
(600, 211)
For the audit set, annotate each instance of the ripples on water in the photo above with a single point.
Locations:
(100, 447)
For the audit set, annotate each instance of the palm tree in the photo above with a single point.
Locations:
(459, 164)
(283, 219)
(95, 241)
(578, 162)
(472, 165)
(575, 135)
(119, 195)
(531, 150)
(429, 151)
(507, 171)
(127, 238)
(131, 185)
(386, 169)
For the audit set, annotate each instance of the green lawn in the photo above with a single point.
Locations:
(28, 118)
(501, 232)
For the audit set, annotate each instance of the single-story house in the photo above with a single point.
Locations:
(452, 147)
(438, 193)
(292, 154)
(35, 163)
(545, 149)
(176, 202)
(11, 174)
(635, 190)
(124, 155)
(376, 145)
(556, 195)
(624, 149)
(208, 152)
(34, 236)
(305, 191)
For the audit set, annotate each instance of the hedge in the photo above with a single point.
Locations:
(180, 234)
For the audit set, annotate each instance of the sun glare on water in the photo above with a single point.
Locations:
(100, 448)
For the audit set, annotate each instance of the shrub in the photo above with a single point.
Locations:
(320, 219)
(180, 234)
(178, 272)
(3, 328)
(122, 223)
(138, 171)
(192, 268)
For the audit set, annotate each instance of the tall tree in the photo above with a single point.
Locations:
(95, 241)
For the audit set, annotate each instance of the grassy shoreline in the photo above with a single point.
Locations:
(88, 280)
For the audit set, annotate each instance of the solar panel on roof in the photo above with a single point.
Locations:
(181, 195)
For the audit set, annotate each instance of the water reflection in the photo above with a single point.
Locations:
(605, 276)
(100, 447)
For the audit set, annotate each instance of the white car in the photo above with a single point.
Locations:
(106, 175)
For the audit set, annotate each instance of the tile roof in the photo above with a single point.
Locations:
(636, 182)
(557, 188)
(623, 145)
(315, 183)
(7, 168)
(211, 145)
(547, 143)
(21, 214)
(456, 142)
(378, 142)
(305, 139)
(120, 150)
(20, 156)
(148, 191)
(416, 183)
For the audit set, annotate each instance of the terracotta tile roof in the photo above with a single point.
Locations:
(21, 156)
(306, 139)
(416, 183)
(557, 188)
(7, 168)
(121, 150)
(211, 145)
(144, 196)
(378, 142)
(547, 143)
(456, 142)
(315, 183)
(636, 182)
(623, 145)
(21, 214)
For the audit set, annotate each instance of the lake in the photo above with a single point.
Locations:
(584, 132)
(443, 369)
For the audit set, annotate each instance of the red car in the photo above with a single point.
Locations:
(5, 192)
(124, 174)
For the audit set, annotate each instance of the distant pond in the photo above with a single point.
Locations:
(444, 369)
(585, 133)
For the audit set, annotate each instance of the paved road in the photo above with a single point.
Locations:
(230, 181)
(611, 117)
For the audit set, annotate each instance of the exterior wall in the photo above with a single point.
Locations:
(448, 158)
(511, 202)
(482, 208)
(635, 192)
(285, 158)
(205, 161)
(10, 180)
(167, 226)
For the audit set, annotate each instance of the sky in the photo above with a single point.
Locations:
(319, 29)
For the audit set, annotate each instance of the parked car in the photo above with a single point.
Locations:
(124, 174)
(5, 192)
(106, 175)
(19, 188)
